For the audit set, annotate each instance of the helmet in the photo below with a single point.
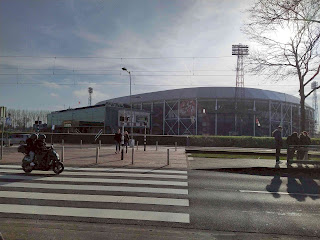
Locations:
(42, 137)
(34, 136)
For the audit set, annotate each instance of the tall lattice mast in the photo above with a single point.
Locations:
(240, 51)
(314, 85)
(90, 91)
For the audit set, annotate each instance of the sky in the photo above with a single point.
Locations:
(51, 51)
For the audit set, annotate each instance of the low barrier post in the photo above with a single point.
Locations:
(62, 154)
(132, 151)
(137, 145)
(99, 144)
(97, 154)
(81, 143)
(168, 162)
(156, 145)
(175, 144)
(145, 139)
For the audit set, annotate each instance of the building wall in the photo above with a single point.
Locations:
(94, 114)
(220, 117)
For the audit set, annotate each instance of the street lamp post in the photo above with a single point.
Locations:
(131, 116)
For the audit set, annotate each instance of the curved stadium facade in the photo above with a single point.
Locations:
(214, 111)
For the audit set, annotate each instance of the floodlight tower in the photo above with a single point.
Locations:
(240, 51)
(314, 85)
(90, 91)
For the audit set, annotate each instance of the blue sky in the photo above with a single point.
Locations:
(76, 44)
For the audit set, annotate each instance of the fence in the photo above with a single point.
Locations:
(303, 154)
(91, 154)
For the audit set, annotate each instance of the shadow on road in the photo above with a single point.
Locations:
(301, 181)
(275, 184)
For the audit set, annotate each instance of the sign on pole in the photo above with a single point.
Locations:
(3, 111)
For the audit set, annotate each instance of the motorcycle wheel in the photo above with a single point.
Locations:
(58, 167)
(27, 168)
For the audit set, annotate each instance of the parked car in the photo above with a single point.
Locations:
(16, 139)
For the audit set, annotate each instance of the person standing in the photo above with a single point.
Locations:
(305, 140)
(292, 142)
(278, 142)
(117, 138)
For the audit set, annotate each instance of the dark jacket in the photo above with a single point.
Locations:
(40, 145)
(293, 139)
(30, 145)
(126, 138)
(117, 137)
(304, 140)
(277, 137)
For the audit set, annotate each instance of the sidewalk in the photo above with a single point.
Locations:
(86, 156)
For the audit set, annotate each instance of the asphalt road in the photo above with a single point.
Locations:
(255, 200)
(233, 203)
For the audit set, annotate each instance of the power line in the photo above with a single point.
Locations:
(125, 84)
(113, 70)
(110, 74)
(118, 58)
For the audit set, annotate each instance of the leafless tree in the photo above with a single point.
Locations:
(287, 34)
(22, 119)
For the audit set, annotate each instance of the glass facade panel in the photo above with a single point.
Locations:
(206, 117)
(157, 118)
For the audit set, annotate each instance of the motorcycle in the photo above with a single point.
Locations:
(45, 160)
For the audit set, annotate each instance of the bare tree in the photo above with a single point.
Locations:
(287, 33)
(278, 11)
(22, 119)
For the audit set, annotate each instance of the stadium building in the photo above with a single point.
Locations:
(215, 111)
(191, 111)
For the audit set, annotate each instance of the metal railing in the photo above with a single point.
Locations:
(307, 154)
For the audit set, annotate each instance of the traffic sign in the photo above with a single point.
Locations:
(3, 111)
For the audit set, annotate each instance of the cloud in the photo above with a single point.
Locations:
(88, 36)
(51, 85)
(54, 95)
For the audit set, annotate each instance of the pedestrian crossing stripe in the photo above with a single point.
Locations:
(103, 174)
(95, 198)
(95, 213)
(95, 180)
(97, 188)
(102, 169)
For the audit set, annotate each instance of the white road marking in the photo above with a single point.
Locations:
(281, 193)
(95, 198)
(96, 188)
(96, 213)
(138, 170)
(106, 174)
(94, 180)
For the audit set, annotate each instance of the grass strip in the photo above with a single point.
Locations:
(240, 156)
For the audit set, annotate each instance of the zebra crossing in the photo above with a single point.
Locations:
(150, 195)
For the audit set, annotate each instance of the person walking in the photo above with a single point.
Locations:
(278, 142)
(117, 138)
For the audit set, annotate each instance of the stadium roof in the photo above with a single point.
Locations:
(205, 92)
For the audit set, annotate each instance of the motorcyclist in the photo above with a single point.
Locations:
(31, 147)
(40, 146)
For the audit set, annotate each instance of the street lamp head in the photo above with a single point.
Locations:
(124, 69)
